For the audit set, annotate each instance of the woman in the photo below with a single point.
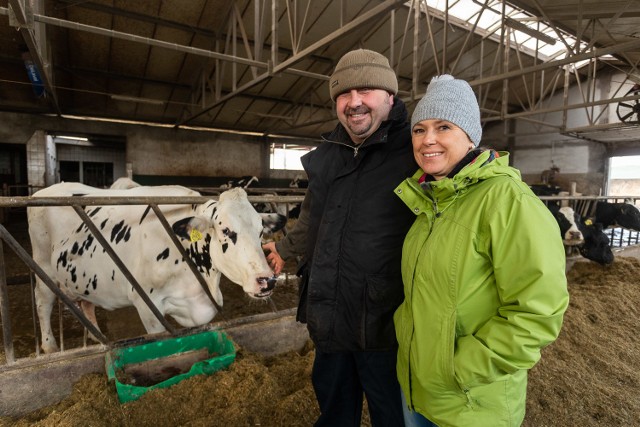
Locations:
(483, 268)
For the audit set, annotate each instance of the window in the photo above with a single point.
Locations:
(287, 156)
(624, 176)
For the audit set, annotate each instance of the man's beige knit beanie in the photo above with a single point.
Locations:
(362, 68)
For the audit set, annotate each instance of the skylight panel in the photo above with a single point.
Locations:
(530, 34)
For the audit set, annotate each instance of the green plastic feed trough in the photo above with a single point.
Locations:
(139, 368)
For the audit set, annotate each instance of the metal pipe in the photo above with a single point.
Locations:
(159, 43)
(23, 201)
(7, 333)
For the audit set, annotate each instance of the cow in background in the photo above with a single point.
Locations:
(582, 234)
(123, 183)
(242, 182)
(596, 244)
(299, 181)
(623, 215)
(221, 237)
(568, 221)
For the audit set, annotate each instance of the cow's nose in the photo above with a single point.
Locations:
(271, 282)
(575, 235)
(267, 283)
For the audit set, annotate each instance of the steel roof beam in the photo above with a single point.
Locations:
(36, 42)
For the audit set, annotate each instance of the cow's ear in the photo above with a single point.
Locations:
(273, 222)
(182, 228)
(185, 227)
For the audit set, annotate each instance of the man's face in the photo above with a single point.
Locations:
(361, 111)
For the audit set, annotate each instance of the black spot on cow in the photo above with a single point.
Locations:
(72, 271)
(62, 259)
(94, 282)
(113, 275)
(120, 231)
(231, 235)
(88, 242)
(163, 255)
(144, 214)
(177, 261)
(75, 248)
(151, 290)
(201, 257)
(103, 223)
(225, 246)
(95, 211)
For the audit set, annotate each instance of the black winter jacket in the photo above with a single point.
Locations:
(352, 284)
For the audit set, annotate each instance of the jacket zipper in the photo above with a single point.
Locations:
(354, 148)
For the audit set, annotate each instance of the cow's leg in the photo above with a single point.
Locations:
(89, 311)
(45, 300)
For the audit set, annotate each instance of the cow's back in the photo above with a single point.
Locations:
(66, 250)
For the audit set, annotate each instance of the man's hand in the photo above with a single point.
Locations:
(274, 259)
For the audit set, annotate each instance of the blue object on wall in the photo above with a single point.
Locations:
(34, 76)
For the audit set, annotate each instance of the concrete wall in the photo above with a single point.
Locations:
(184, 153)
(151, 151)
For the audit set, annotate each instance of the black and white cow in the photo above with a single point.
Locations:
(623, 215)
(583, 234)
(568, 221)
(242, 182)
(222, 237)
(596, 244)
(299, 181)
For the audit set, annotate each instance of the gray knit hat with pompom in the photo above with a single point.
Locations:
(452, 100)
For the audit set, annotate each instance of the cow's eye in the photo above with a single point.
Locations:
(225, 231)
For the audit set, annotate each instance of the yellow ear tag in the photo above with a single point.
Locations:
(588, 222)
(195, 235)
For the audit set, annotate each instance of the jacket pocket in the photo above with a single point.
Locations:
(384, 293)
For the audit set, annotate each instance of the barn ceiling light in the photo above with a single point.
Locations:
(138, 100)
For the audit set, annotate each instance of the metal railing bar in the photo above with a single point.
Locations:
(7, 333)
(123, 268)
(26, 201)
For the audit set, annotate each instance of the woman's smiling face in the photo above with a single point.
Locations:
(438, 146)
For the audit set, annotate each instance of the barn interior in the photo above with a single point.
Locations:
(200, 92)
(115, 87)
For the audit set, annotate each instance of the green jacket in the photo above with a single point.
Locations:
(485, 290)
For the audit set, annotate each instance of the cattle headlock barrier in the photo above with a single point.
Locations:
(21, 379)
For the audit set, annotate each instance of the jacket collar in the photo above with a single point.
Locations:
(473, 168)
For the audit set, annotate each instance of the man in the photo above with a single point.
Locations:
(351, 230)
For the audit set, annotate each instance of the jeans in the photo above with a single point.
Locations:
(414, 419)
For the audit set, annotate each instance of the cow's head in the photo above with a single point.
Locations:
(568, 221)
(596, 243)
(229, 231)
(629, 216)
